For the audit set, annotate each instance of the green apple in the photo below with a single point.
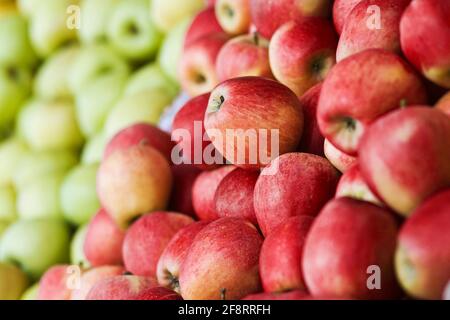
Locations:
(95, 17)
(11, 153)
(172, 48)
(8, 211)
(36, 245)
(51, 79)
(168, 13)
(145, 106)
(94, 102)
(93, 150)
(13, 282)
(31, 293)
(78, 195)
(77, 256)
(39, 198)
(27, 7)
(50, 125)
(93, 62)
(131, 31)
(3, 226)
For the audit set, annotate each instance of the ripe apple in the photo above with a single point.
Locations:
(31, 293)
(347, 239)
(301, 185)
(8, 212)
(204, 23)
(95, 17)
(269, 16)
(93, 150)
(222, 262)
(405, 158)
(184, 177)
(77, 256)
(204, 189)
(246, 55)
(3, 227)
(35, 245)
(291, 295)
(341, 10)
(280, 262)
(173, 256)
(234, 15)
(361, 80)
(444, 104)
(168, 13)
(103, 241)
(302, 53)
(422, 259)
(252, 111)
(55, 284)
(12, 151)
(27, 7)
(340, 160)
(13, 282)
(426, 22)
(147, 238)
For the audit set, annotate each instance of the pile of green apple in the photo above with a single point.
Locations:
(72, 74)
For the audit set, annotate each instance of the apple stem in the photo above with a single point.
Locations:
(223, 293)
(127, 273)
(256, 38)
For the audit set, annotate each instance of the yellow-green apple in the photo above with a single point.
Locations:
(246, 55)
(381, 31)
(184, 176)
(280, 262)
(78, 198)
(197, 66)
(94, 148)
(27, 7)
(252, 120)
(444, 104)
(77, 256)
(302, 52)
(204, 189)
(426, 22)
(422, 259)
(103, 241)
(301, 184)
(56, 283)
(131, 32)
(234, 15)
(12, 151)
(234, 195)
(376, 81)
(291, 295)
(31, 293)
(269, 16)
(173, 256)
(13, 282)
(35, 245)
(349, 252)
(168, 13)
(222, 262)
(405, 158)
(94, 20)
(134, 181)
(8, 212)
(3, 227)
(91, 277)
(312, 139)
(353, 185)
(204, 23)
(340, 160)
(341, 10)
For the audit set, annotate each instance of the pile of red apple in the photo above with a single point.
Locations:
(358, 206)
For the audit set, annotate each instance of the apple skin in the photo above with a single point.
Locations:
(173, 256)
(8, 208)
(147, 238)
(426, 22)
(184, 177)
(166, 14)
(197, 66)
(280, 262)
(444, 104)
(302, 184)
(54, 284)
(12, 151)
(405, 158)
(357, 36)
(346, 238)
(77, 256)
(246, 55)
(104, 240)
(340, 160)
(91, 277)
(133, 181)
(13, 282)
(204, 23)
(253, 103)
(222, 262)
(446, 295)
(234, 15)
(303, 52)
(341, 10)
(361, 80)
(422, 259)
(234, 195)
(95, 17)
(204, 190)
(312, 140)
(292, 295)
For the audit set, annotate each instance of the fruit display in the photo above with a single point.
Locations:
(224, 150)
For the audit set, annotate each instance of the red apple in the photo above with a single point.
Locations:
(103, 242)
(147, 238)
(280, 262)
(173, 256)
(425, 38)
(251, 120)
(405, 157)
(301, 185)
(234, 15)
(134, 181)
(372, 24)
(55, 284)
(222, 262)
(340, 160)
(359, 90)
(292, 295)
(204, 23)
(183, 181)
(341, 10)
(268, 16)
(347, 240)
(423, 255)
(204, 189)
(246, 55)
(234, 195)
(444, 104)
(302, 52)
